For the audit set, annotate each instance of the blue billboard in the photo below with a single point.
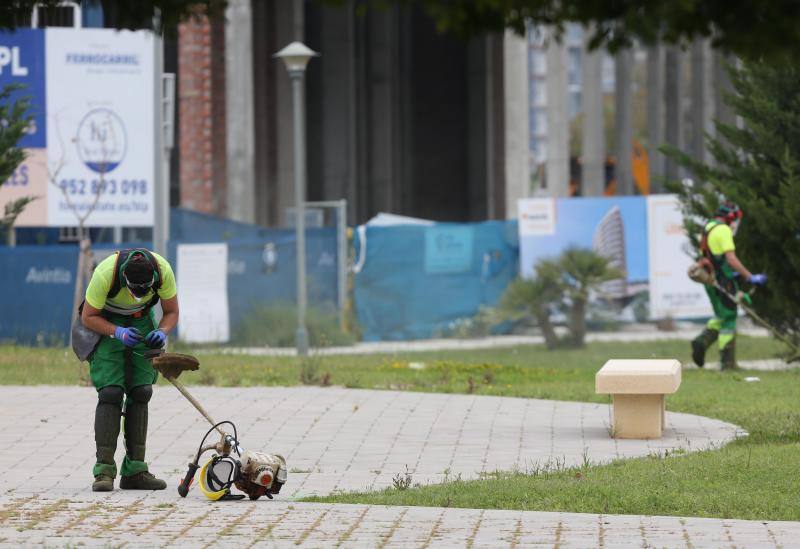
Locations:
(22, 62)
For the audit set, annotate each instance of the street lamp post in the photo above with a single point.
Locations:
(296, 56)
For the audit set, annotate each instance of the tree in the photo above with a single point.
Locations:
(121, 14)
(743, 27)
(582, 273)
(14, 121)
(535, 297)
(569, 279)
(757, 166)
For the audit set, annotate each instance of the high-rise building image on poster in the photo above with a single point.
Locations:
(609, 241)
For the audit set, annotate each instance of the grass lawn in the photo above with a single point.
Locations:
(755, 478)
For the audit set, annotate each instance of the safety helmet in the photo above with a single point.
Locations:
(218, 475)
(729, 212)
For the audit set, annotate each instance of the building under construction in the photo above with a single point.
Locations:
(400, 118)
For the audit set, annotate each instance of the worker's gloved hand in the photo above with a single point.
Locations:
(128, 336)
(758, 279)
(155, 339)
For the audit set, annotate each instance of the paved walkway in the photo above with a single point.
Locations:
(333, 439)
(422, 345)
(644, 333)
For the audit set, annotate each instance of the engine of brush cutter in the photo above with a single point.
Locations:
(261, 474)
(254, 473)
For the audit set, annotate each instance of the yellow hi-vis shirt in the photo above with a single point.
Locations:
(720, 239)
(124, 302)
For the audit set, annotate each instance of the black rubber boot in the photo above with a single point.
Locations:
(700, 345)
(106, 431)
(136, 439)
(727, 356)
(136, 421)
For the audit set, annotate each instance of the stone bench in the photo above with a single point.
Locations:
(638, 389)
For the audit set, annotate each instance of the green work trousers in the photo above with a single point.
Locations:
(114, 364)
(725, 313)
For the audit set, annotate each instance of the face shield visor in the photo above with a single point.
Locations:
(218, 476)
(138, 291)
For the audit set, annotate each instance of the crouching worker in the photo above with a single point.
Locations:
(118, 306)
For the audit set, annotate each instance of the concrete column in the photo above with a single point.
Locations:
(517, 107)
(265, 77)
(298, 20)
(655, 115)
(286, 23)
(702, 104)
(381, 109)
(623, 114)
(593, 148)
(557, 163)
(339, 105)
(495, 134)
(239, 108)
(722, 87)
(478, 77)
(673, 102)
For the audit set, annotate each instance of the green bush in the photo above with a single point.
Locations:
(276, 326)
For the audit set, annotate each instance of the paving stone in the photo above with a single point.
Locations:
(332, 444)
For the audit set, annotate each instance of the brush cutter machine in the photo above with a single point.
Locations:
(254, 473)
(703, 272)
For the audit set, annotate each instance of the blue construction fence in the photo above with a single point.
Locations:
(37, 282)
(411, 281)
(415, 281)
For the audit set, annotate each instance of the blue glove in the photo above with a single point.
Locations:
(758, 279)
(128, 336)
(155, 339)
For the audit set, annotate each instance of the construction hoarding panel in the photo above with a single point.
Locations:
(100, 101)
(672, 293)
(615, 227)
(92, 101)
(203, 282)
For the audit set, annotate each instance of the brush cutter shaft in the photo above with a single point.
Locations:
(760, 320)
(179, 386)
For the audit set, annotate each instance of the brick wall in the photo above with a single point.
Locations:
(201, 103)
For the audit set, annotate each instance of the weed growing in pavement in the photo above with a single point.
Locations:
(402, 481)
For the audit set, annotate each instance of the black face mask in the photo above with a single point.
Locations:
(139, 290)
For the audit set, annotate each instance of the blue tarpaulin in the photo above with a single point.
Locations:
(413, 281)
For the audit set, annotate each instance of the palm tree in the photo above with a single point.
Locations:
(582, 272)
(534, 296)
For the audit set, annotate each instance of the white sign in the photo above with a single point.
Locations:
(672, 293)
(203, 287)
(100, 126)
(537, 216)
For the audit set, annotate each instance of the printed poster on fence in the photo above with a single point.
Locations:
(90, 142)
(672, 293)
(203, 293)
